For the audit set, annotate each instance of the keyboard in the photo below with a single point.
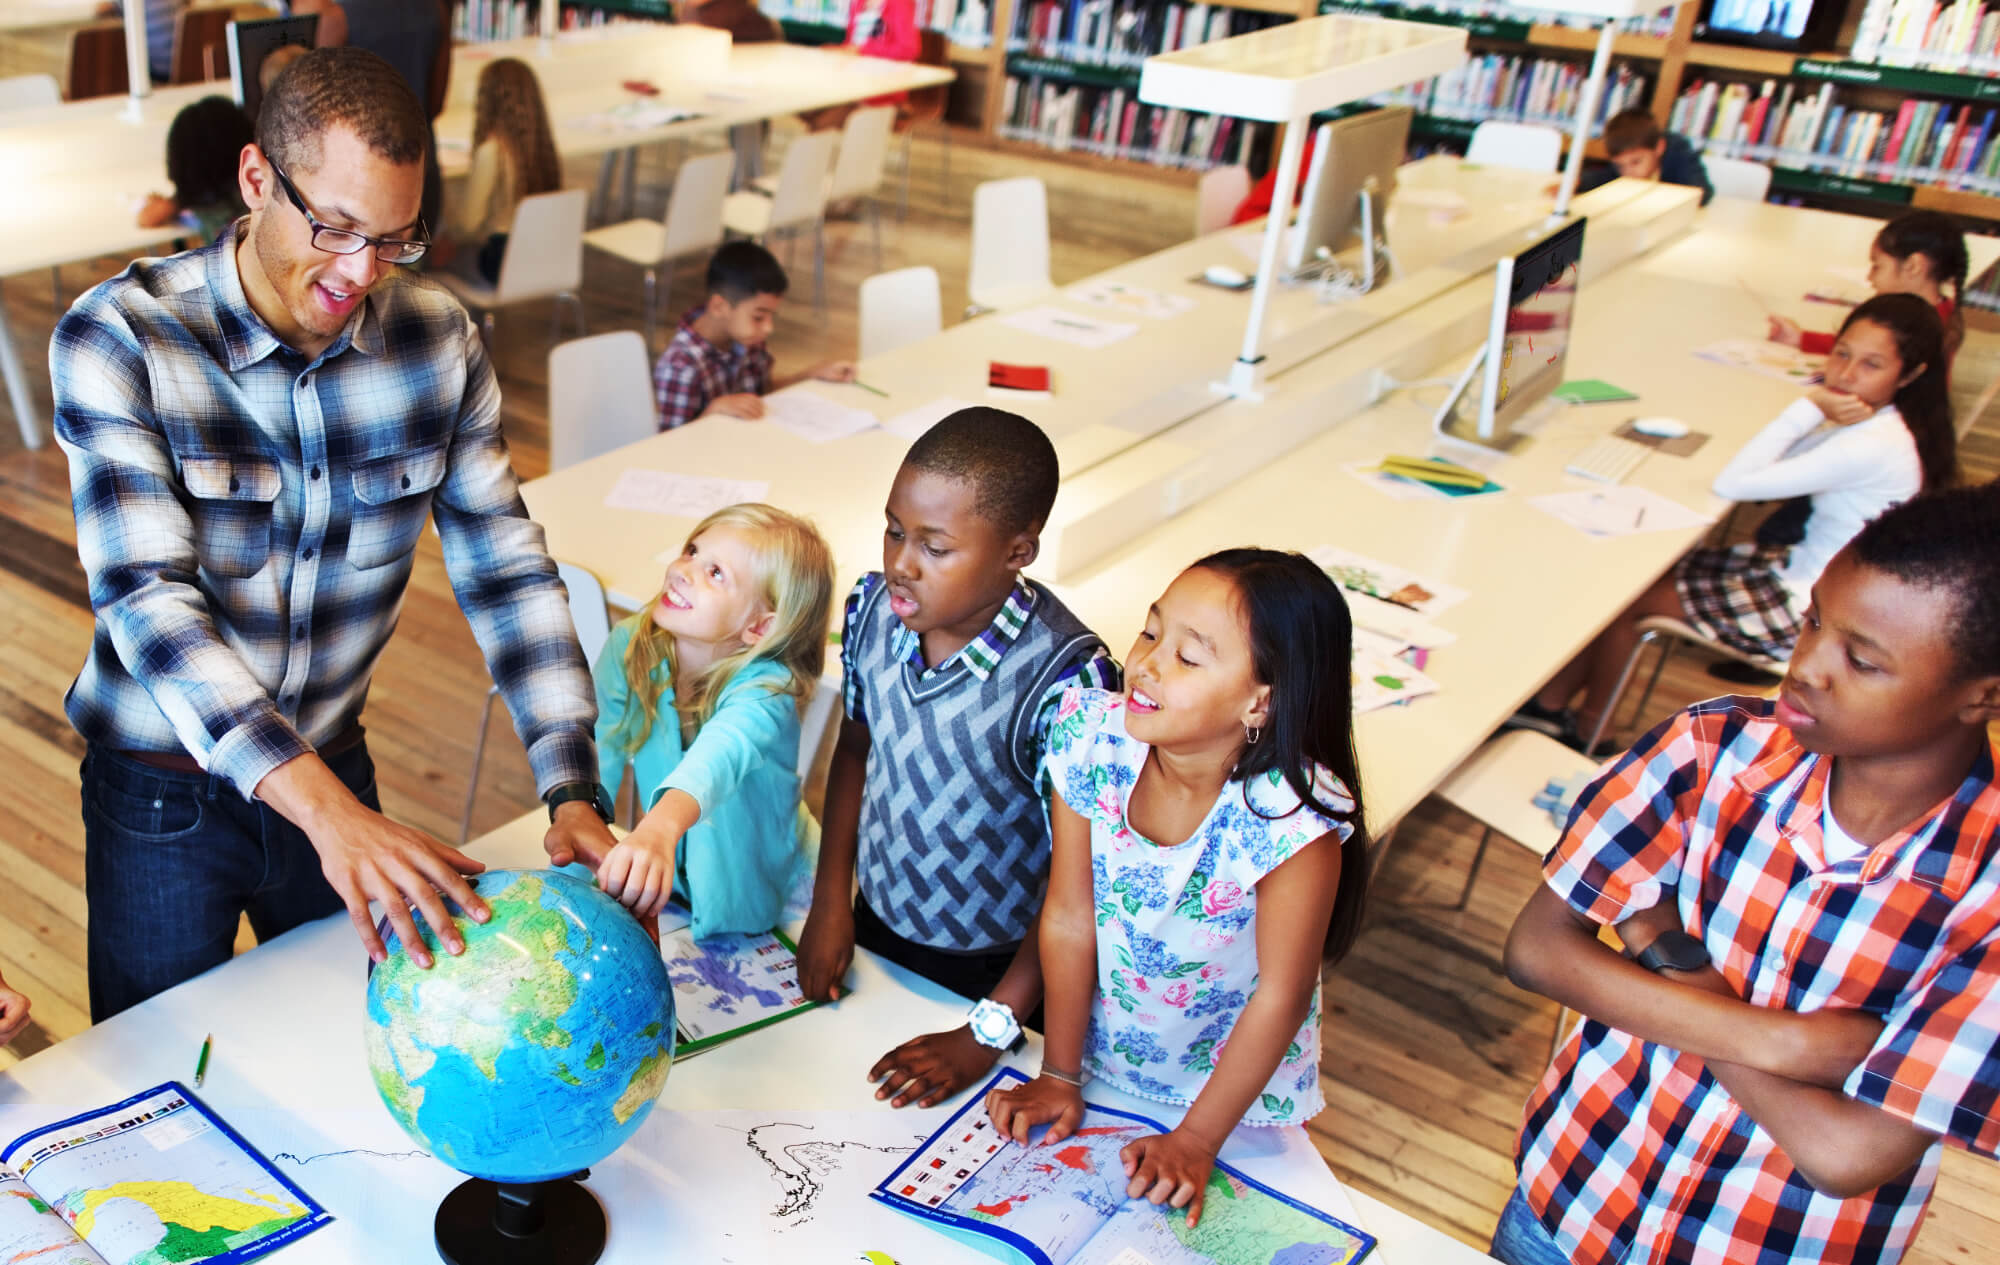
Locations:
(1607, 460)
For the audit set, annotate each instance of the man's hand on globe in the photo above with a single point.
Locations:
(578, 834)
(927, 1070)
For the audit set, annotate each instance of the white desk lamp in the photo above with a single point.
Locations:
(1611, 13)
(138, 66)
(1286, 74)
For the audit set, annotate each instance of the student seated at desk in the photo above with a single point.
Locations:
(954, 666)
(700, 693)
(1208, 861)
(1811, 890)
(204, 146)
(13, 1012)
(717, 362)
(1918, 252)
(875, 28)
(1640, 149)
(513, 157)
(1876, 433)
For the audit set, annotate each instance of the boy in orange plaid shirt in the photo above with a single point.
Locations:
(1809, 893)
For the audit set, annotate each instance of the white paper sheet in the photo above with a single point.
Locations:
(813, 417)
(1396, 585)
(1619, 510)
(1068, 327)
(680, 495)
(912, 424)
(1131, 300)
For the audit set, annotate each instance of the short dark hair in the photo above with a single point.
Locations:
(204, 148)
(1005, 457)
(1947, 539)
(1631, 129)
(343, 86)
(739, 270)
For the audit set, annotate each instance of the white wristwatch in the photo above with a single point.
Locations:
(994, 1026)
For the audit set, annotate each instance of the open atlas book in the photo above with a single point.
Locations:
(1066, 1204)
(157, 1178)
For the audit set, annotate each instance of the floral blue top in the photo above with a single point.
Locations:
(1176, 926)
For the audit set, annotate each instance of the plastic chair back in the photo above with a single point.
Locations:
(1738, 178)
(864, 153)
(1010, 241)
(800, 200)
(544, 247)
(600, 396)
(694, 208)
(1527, 146)
(899, 308)
(1221, 191)
(25, 92)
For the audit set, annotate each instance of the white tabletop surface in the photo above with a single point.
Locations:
(289, 1073)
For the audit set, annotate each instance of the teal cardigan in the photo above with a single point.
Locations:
(740, 861)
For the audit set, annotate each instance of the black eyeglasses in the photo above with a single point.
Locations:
(345, 241)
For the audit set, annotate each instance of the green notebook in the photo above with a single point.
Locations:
(1592, 391)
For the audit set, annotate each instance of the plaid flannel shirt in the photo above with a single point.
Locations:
(693, 373)
(981, 656)
(1633, 1152)
(248, 519)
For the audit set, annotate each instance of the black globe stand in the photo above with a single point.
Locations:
(540, 1223)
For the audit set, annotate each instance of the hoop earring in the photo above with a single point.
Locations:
(1251, 735)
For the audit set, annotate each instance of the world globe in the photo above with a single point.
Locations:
(539, 1050)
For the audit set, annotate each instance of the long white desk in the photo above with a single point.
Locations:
(77, 172)
(289, 1073)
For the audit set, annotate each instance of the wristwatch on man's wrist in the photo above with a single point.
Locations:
(993, 1025)
(1673, 951)
(590, 792)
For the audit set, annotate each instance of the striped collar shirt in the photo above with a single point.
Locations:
(248, 519)
(1633, 1152)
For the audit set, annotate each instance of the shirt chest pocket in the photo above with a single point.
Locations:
(234, 495)
(392, 498)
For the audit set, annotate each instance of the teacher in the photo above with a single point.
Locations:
(257, 432)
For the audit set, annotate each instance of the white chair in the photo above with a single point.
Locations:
(592, 618)
(1667, 632)
(899, 308)
(1738, 178)
(25, 92)
(600, 396)
(543, 260)
(1216, 197)
(693, 227)
(1528, 146)
(864, 157)
(1010, 244)
(798, 204)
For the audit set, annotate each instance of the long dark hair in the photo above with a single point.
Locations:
(204, 143)
(1925, 402)
(1939, 239)
(1302, 646)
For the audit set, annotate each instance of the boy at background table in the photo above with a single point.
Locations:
(1640, 149)
(717, 363)
(953, 665)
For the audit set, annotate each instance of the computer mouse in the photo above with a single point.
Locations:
(1660, 427)
(1224, 275)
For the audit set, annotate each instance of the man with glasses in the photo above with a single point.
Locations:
(257, 433)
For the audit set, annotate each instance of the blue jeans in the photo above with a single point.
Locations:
(173, 860)
(1520, 1239)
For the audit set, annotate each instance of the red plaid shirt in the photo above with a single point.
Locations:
(1631, 1151)
(693, 373)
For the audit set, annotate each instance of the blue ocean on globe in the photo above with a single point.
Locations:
(539, 1050)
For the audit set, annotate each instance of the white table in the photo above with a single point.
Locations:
(76, 173)
(288, 1072)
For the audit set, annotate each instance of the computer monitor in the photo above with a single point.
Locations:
(1527, 339)
(251, 42)
(1348, 187)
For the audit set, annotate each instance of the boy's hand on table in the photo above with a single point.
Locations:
(742, 405)
(826, 950)
(1169, 1168)
(832, 371)
(935, 1066)
(1783, 329)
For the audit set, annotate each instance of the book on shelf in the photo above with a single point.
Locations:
(1922, 142)
(1962, 36)
(1111, 122)
(483, 21)
(1520, 89)
(1660, 24)
(966, 21)
(1124, 32)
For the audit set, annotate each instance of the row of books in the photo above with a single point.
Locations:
(1949, 143)
(968, 22)
(1962, 36)
(480, 21)
(1660, 24)
(1521, 90)
(1124, 32)
(1114, 123)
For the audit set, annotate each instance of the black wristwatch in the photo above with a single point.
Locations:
(591, 792)
(1673, 951)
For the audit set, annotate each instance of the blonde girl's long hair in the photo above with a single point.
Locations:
(510, 110)
(792, 569)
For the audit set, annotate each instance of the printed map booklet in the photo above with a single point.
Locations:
(1066, 1204)
(726, 985)
(157, 1178)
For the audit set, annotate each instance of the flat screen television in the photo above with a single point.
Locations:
(1801, 26)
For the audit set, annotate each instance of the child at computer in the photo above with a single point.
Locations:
(1887, 435)
(717, 363)
(954, 665)
(1640, 149)
(13, 1012)
(1808, 893)
(700, 693)
(204, 145)
(513, 157)
(1918, 252)
(1209, 858)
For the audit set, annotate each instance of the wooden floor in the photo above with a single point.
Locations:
(1429, 1051)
